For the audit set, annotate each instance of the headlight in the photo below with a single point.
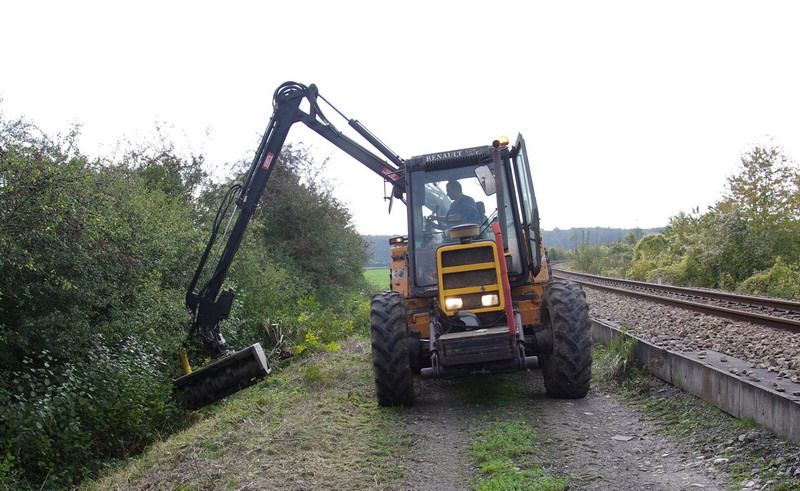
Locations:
(453, 303)
(490, 300)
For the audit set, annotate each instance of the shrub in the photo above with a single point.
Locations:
(319, 328)
(780, 280)
(96, 256)
(70, 416)
(557, 254)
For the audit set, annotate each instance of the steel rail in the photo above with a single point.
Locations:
(785, 323)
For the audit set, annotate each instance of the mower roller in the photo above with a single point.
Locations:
(221, 378)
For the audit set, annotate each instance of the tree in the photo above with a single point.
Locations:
(761, 210)
(741, 235)
(302, 225)
(766, 190)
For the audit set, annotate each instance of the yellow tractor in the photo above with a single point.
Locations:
(470, 288)
(471, 291)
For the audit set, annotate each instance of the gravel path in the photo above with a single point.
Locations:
(684, 330)
(439, 423)
(598, 442)
(603, 444)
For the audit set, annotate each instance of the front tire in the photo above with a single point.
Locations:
(568, 369)
(394, 381)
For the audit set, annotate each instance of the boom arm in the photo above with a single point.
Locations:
(207, 305)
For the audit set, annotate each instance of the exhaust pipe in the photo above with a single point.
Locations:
(531, 362)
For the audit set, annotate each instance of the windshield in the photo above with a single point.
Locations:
(440, 200)
(447, 201)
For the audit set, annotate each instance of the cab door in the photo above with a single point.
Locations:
(527, 202)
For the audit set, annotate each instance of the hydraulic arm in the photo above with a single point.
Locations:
(207, 304)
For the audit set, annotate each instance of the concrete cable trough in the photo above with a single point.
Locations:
(706, 375)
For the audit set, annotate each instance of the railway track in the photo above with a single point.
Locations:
(778, 313)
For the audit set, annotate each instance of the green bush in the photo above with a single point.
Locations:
(300, 266)
(609, 259)
(557, 254)
(305, 229)
(780, 280)
(96, 258)
(318, 329)
(266, 294)
(648, 254)
(687, 270)
(91, 249)
(72, 416)
(735, 245)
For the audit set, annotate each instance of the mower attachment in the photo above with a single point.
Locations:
(221, 377)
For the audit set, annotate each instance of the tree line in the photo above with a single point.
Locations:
(569, 239)
(96, 256)
(556, 239)
(748, 241)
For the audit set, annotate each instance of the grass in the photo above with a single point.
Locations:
(502, 451)
(615, 362)
(378, 277)
(313, 425)
(503, 448)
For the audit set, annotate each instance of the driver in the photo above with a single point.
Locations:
(463, 208)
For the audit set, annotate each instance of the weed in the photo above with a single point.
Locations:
(502, 450)
(522, 481)
(502, 440)
(746, 423)
(315, 376)
(616, 361)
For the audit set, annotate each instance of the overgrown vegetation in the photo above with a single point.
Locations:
(616, 362)
(96, 257)
(315, 426)
(749, 241)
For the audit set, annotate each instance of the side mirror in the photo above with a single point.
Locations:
(486, 178)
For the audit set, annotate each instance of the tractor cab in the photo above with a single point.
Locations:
(470, 275)
(449, 191)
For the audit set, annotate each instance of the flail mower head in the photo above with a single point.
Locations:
(221, 378)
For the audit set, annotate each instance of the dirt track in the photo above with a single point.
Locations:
(596, 442)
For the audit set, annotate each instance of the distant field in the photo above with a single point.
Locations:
(379, 277)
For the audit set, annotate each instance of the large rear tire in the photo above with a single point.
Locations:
(568, 369)
(394, 381)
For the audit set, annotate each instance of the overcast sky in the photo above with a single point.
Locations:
(632, 111)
